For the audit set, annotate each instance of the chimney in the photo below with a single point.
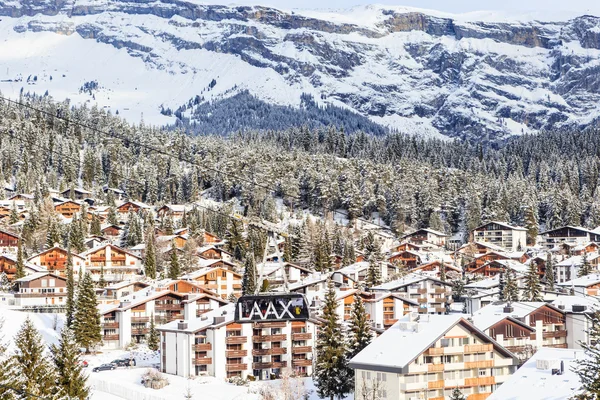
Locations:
(218, 320)
(182, 325)
(124, 304)
(508, 309)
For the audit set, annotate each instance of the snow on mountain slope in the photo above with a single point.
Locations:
(477, 76)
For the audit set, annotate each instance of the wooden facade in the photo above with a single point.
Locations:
(68, 208)
(408, 258)
(9, 240)
(55, 260)
(8, 266)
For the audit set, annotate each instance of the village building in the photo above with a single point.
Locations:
(568, 269)
(67, 208)
(219, 280)
(75, 194)
(428, 356)
(40, 289)
(273, 271)
(426, 237)
(114, 263)
(176, 211)
(211, 252)
(132, 206)
(55, 260)
(9, 242)
(216, 345)
(122, 289)
(569, 235)
(508, 237)
(579, 316)
(588, 285)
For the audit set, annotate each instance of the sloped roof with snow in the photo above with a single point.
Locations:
(520, 309)
(503, 224)
(584, 281)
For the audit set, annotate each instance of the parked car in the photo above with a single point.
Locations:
(83, 363)
(124, 362)
(104, 367)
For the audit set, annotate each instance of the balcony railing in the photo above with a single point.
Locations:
(236, 353)
(268, 338)
(388, 322)
(202, 347)
(110, 337)
(140, 331)
(435, 385)
(301, 349)
(202, 361)
(168, 306)
(421, 300)
(439, 300)
(301, 336)
(478, 348)
(140, 320)
(435, 351)
(435, 367)
(236, 367)
(261, 325)
(110, 325)
(479, 364)
(483, 381)
(269, 365)
(236, 339)
(269, 352)
(439, 291)
(302, 363)
(422, 291)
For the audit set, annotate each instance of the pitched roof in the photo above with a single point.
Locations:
(584, 281)
(503, 224)
(520, 309)
(407, 280)
(37, 275)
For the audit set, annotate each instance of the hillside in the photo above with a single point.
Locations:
(479, 77)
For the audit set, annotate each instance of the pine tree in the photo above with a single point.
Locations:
(7, 370)
(359, 331)
(287, 250)
(531, 224)
(153, 336)
(249, 282)
(70, 301)
(457, 395)
(532, 289)
(72, 381)
(13, 217)
(585, 268)
(588, 368)
(510, 291)
(86, 324)
(332, 376)
(235, 240)
(20, 264)
(442, 271)
(33, 371)
(150, 257)
(168, 224)
(373, 275)
(549, 274)
(112, 217)
(53, 235)
(102, 280)
(174, 269)
(76, 236)
(95, 226)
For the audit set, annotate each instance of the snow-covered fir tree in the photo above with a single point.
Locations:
(532, 290)
(71, 380)
(86, 323)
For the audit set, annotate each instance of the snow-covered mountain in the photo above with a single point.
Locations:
(478, 76)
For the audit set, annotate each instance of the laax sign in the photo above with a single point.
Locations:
(271, 307)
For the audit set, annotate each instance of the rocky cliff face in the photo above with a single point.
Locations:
(412, 71)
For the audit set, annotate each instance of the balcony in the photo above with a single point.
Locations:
(435, 367)
(302, 363)
(422, 291)
(479, 364)
(269, 365)
(261, 325)
(202, 361)
(438, 300)
(203, 311)
(301, 349)
(422, 300)
(139, 320)
(439, 291)
(483, 381)
(435, 385)
(236, 339)
(268, 338)
(202, 347)
(168, 306)
(435, 351)
(110, 325)
(110, 337)
(557, 346)
(236, 367)
(236, 353)
(554, 334)
(422, 310)
(478, 348)
(301, 336)
(269, 352)
(140, 331)
(389, 322)
(440, 309)
(479, 396)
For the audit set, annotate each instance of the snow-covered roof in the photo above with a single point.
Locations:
(504, 224)
(405, 281)
(203, 322)
(566, 303)
(354, 268)
(124, 284)
(520, 309)
(487, 283)
(578, 228)
(428, 230)
(577, 260)
(584, 281)
(37, 275)
(534, 380)
(485, 321)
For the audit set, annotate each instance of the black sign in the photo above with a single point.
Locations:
(271, 307)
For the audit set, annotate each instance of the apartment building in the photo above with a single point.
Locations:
(579, 312)
(588, 285)
(219, 280)
(433, 295)
(568, 269)
(55, 260)
(427, 356)
(548, 322)
(426, 237)
(216, 345)
(509, 332)
(384, 309)
(40, 288)
(569, 235)
(508, 237)
(116, 263)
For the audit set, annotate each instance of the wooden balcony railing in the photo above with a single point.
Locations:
(389, 322)
(422, 291)
(483, 381)
(268, 338)
(478, 348)
(554, 334)
(269, 365)
(302, 363)
(435, 367)
(110, 337)
(202, 361)
(435, 385)
(435, 351)
(202, 347)
(236, 339)
(301, 336)
(422, 310)
(261, 325)
(168, 306)
(421, 300)
(236, 367)
(479, 396)
(479, 364)
(439, 300)
(236, 353)
(140, 331)
(110, 325)
(301, 349)
(439, 291)
(269, 352)
(135, 320)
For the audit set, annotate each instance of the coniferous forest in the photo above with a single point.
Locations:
(546, 180)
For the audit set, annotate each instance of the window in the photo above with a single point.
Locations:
(447, 359)
(44, 283)
(482, 372)
(428, 360)
(445, 342)
(224, 274)
(381, 376)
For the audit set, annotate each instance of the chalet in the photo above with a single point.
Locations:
(426, 237)
(214, 253)
(198, 304)
(358, 271)
(429, 356)
(26, 198)
(569, 268)
(114, 262)
(510, 238)
(4, 211)
(76, 194)
(406, 246)
(9, 242)
(216, 264)
(569, 235)
(496, 267)
(183, 287)
(170, 239)
(219, 280)
(67, 208)
(548, 321)
(8, 266)
(176, 211)
(117, 193)
(472, 249)
(133, 206)
(588, 285)
(435, 267)
(41, 288)
(509, 332)
(272, 271)
(209, 238)
(411, 259)
(55, 261)
(123, 289)
(95, 241)
(260, 350)
(111, 231)
(433, 295)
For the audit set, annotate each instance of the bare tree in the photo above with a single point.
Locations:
(373, 390)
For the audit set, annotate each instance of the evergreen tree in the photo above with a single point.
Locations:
(332, 376)
(13, 217)
(34, 373)
(150, 257)
(585, 268)
(249, 282)
(287, 250)
(235, 240)
(531, 288)
(588, 368)
(168, 224)
(53, 235)
(442, 271)
(7, 370)
(457, 395)
(20, 264)
(102, 280)
(86, 324)
(510, 291)
(70, 301)
(71, 380)
(359, 330)
(112, 217)
(76, 236)
(95, 226)
(531, 224)
(174, 268)
(153, 336)
(549, 274)
(373, 277)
